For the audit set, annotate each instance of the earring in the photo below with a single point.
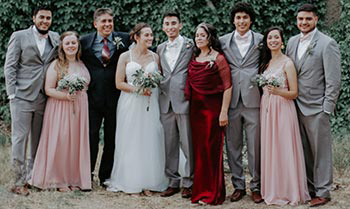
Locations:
(282, 47)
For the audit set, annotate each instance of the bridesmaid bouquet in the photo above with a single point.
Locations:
(146, 80)
(72, 83)
(261, 81)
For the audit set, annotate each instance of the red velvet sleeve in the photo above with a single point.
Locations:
(224, 71)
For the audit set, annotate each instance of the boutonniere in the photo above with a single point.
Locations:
(211, 63)
(260, 46)
(188, 43)
(118, 42)
(309, 50)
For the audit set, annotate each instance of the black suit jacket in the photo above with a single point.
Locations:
(102, 92)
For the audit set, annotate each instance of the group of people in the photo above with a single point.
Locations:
(206, 96)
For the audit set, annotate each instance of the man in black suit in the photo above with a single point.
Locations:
(100, 54)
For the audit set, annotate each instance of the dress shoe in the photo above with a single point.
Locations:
(317, 201)
(20, 190)
(237, 195)
(312, 194)
(256, 196)
(170, 192)
(186, 192)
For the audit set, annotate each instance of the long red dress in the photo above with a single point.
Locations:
(206, 83)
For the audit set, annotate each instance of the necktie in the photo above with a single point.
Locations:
(105, 52)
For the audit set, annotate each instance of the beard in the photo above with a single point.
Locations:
(43, 32)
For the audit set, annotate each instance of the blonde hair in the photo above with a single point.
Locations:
(62, 63)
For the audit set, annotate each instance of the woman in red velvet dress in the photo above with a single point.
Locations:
(209, 90)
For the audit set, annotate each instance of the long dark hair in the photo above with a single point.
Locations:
(265, 52)
(213, 40)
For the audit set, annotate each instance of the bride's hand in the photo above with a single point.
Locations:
(223, 119)
(147, 92)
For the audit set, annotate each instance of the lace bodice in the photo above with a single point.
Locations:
(133, 66)
(277, 73)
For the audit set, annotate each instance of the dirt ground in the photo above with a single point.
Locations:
(98, 198)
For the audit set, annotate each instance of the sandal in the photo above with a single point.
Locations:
(20, 190)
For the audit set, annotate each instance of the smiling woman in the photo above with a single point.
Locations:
(63, 158)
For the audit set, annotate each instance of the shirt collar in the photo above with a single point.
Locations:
(246, 36)
(100, 38)
(39, 35)
(309, 36)
(175, 43)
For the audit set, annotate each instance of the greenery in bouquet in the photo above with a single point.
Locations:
(72, 83)
(146, 80)
(261, 81)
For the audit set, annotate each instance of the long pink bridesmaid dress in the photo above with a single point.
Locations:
(283, 174)
(63, 156)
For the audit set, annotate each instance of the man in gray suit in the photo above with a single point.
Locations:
(175, 55)
(317, 60)
(28, 55)
(241, 51)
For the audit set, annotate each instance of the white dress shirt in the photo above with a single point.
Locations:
(172, 51)
(304, 42)
(243, 42)
(40, 40)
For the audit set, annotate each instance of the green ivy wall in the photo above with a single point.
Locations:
(77, 15)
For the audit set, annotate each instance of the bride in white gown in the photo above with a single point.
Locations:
(139, 157)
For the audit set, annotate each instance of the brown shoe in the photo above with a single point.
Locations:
(317, 201)
(170, 192)
(237, 195)
(20, 190)
(256, 196)
(186, 192)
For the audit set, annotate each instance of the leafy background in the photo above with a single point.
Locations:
(77, 15)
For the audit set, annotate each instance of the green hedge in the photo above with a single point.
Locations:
(77, 15)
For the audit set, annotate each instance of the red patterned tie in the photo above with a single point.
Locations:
(105, 52)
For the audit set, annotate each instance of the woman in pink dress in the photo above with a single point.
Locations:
(63, 157)
(283, 174)
(209, 90)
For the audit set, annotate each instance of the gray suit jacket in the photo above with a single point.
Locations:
(242, 70)
(173, 86)
(319, 72)
(24, 67)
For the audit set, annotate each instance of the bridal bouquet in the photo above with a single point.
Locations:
(146, 80)
(261, 81)
(72, 83)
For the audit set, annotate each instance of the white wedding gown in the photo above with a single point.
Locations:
(139, 157)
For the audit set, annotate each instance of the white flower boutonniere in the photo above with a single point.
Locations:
(309, 50)
(211, 63)
(118, 42)
(188, 43)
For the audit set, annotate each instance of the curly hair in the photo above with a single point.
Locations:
(243, 7)
(62, 62)
(213, 40)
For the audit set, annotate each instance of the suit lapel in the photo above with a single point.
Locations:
(251, 48)
(230, 42)
(54, 44)
(90, 43)
(311, 46)
(31, 40)
(182, 53)
(163, 59)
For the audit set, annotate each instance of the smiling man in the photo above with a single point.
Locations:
(175, 54)
(241, 51)
(317, 60)
(100, 54)
(29, 53)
